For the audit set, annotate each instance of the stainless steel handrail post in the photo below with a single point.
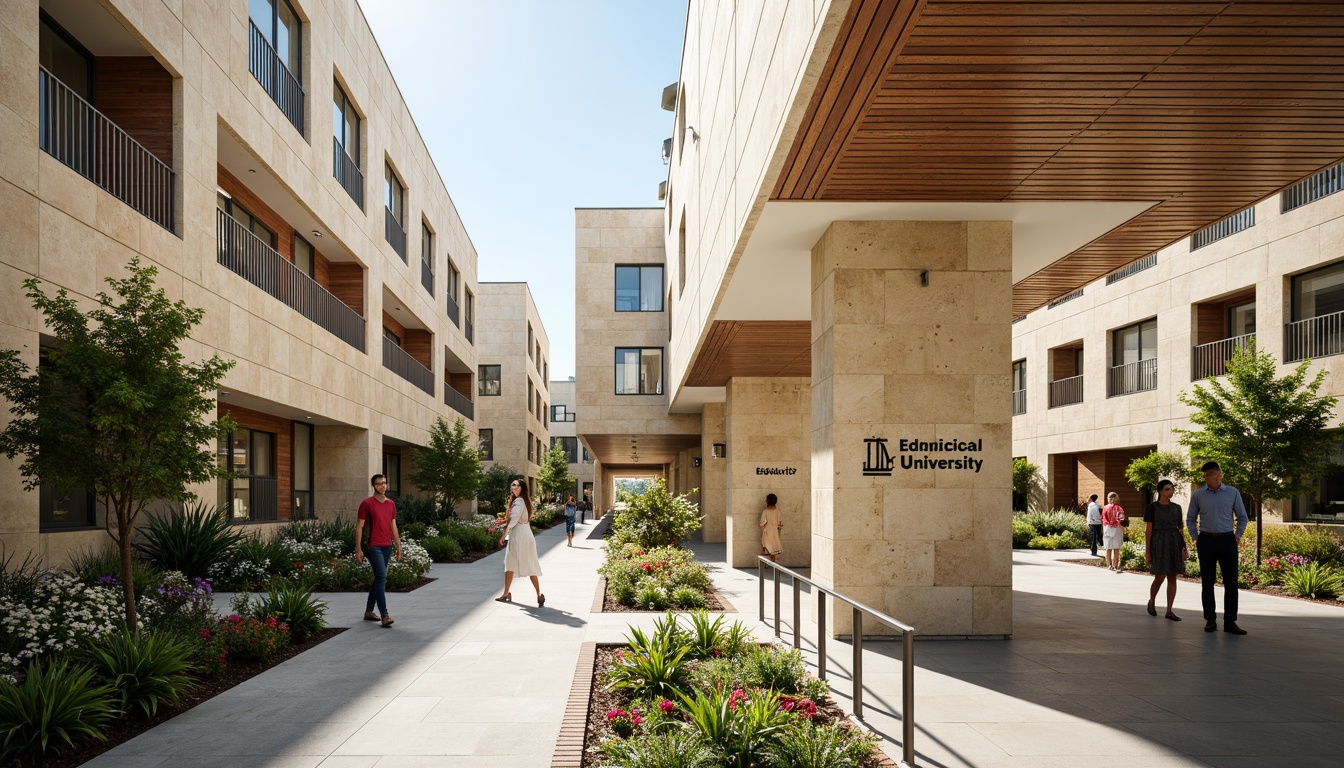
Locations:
(776, 572)
(821, 635)
(760, 589)
(797, 612)
(858, 663)
(908, 697)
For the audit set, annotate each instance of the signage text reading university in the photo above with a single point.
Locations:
(776, 470)
(880, 462)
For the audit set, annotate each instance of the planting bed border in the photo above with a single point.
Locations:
(1274, 591)
(600, 601)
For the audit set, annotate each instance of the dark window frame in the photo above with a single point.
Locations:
(295, 458)
(639, 301)
(662, 372)
(392, 183)
(1295, 291)
(483, 378)
(230, 489)
(571, 446)
(1117, 350)
(272, 35)
(393, 476)
(341, 99)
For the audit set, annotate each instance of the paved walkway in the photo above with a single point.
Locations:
(1089, 679)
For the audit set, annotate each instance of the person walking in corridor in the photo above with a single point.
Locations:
(1093, 523)
(571, 510)
(1216, 521)
(772, 522)
(381, 514)
(1113, 535)
(520, 559)
(1164, 546)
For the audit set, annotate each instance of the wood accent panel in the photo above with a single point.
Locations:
(136, 93)
(1103, 472)
(419, 344)
(1063, 481)
(283, 429)
(462, 383)
(1211, 317)
(1062, 361)
(648, 449)
(752, 348)
(391, 323)
(1203, 108)
(284, 233)
(346, 282)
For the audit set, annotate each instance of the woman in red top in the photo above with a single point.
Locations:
(381, 514)
(1113, 531)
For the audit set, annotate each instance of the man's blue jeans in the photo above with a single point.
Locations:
(378, 558)
(1094, 536)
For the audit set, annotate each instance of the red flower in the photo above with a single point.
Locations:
(615, 713)
(299, 565)
(636, 719)
(666, 706)
(736, 697)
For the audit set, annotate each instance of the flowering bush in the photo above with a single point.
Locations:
(62, 613)
(654, 579)
(178, 606)
(319, 564)
(1276, 566)
(623, 723)
(251, 639)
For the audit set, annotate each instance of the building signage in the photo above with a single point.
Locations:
(919, 454)
(776, 470)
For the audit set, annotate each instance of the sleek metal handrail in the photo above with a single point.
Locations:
(427, 277)
(275, 78)
(1314, 337)
(1208, 360)
(1019, 402)
(1138, 376)
(1076, 294)
(453, 310)
(1312, 188)
(255, 261)
(1120, 274)
(458, 402)
(396, 236)
(1066, 391)
(400, 362)
(347, 172)
(74, 132)
(907, 643)
(1223, 228)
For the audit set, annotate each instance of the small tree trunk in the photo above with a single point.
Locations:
(1259, 529)
(127, 585)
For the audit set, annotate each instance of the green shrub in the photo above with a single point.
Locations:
(1056, 541)
(1132, 556)
(90, 565)
(652, 597)
(686, 598)
(1023, 532)
(651, 666)
(706, 636)
(143, 668)
(189, 540)
(19, 580)
(669, 748)
(1315, 580)
(52, 710)
(471, 538)
(337, 532)
(295, 606)
(442, 549)
(251, 639)
(417, 509)
(622, 591)
(740, 726)
(737, 640)
(177, 606)
(827, 746)
(1314, 543)
(775, 668)
(415, 531)
(1056, 522)
(655, 518)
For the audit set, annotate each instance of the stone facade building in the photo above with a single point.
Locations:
(564, 432)
(512, 380)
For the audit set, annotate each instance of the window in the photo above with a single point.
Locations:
(531, 448)
(639, 371)
(571, 446)
(586, 457)
(546, 375)
(303, 471)
(488, 380)
(529, 341)
(561, 413)
(392, 468)
(537, 359)
(470, 317)
(1241, 319)
(528, 402)
(540, 453)
(1326, 503)
(243, 216)
(639, 288)
(250, 491)
(1019, 375)
(73, 509)
(391, 336)
(64, 58)
(303, 255)
(1134, 343)
(427, 258)
(345, 125)
(1318, 293)
(394, 194)
(280, 25)
(454, 277)
(486, 442)
(681, 253)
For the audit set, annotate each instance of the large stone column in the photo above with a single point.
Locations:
(911, 345)
(344, 460)
(713, 474)
(768, 421)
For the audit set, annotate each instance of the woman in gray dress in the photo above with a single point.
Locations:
(1166, 553)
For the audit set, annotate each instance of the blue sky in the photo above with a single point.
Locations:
(532, 108)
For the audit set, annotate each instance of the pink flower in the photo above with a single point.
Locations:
(736, 697)
(666, 706)
(615, 713)
(636, 719)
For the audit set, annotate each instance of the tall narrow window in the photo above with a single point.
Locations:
(639, 288)
(303, 255)
(470, 306)
(73, 508)
(681, 253)
(250, 491)
(529, 341)
(394, 194)
(486, 443)
(454, 278)
(303, 471)
(280, 26)
(64, 58)
(427, 258)
(639, 371)
(531, 447)
(345, 151)
(1134, 343)
(1241, 319)
(488, 380)
(392, 468)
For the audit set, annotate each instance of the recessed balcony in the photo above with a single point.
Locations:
(1127, 379)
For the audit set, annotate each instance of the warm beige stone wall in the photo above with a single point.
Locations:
(505, 311)
(713, 474)
(564, 393)
(896, 360)
(769, 423)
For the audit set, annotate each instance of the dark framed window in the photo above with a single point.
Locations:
(427, 257)
(529, 341)
(454, 277)
(1241, 319)
(61, 54)
(639, 288)
(394, 195)
(345, 124)
(486, 443)
(1319, 292)
(303, 255)
(303, 471)
(530, 396)
(1326, 502)
(531, 448)
(639, 371)
(561, 413)
(587, 457)
(243, 216)
(571, 446)
(488, 380)
(1134, 343)
(249, 492)
(391, 336)
(70, 510)
(392, 468)
(1019, 375)
(281, 27)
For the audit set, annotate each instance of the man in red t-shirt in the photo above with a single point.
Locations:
(381, 513)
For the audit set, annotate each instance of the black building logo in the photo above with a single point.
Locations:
(878, 461)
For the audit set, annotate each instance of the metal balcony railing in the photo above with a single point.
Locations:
(400, 362)
(347, 172)
(1065, 298)
(1220, 229)
(1019, 402)
(1066, 391)
(1314, 337)
(427, 277)
(1138, 266)
(75, 133)
(278, 82)
(254, 260)
(1139, 376)
(459, 402)
(1207, 360)
(396, 236)
(453, 311)
(1313, 188)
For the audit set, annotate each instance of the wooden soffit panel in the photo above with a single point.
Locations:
(1204, 108)
(752, 348)
(638, 450)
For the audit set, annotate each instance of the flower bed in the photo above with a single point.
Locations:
(702, 694)
(656, 579)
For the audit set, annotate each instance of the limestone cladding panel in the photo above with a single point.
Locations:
(69, 233)
(345, 458)
(746, 77)
(714, 473)
(768, 424)
(895, 360)
(1188, 292)
(504, 312)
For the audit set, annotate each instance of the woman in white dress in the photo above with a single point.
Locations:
(521, 556)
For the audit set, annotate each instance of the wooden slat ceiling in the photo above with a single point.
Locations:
(752, 348)
(1204, 107)
(638, 450)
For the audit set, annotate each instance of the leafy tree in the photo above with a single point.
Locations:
(1267, 433)
(554, 475)
(113, 407)
(449, 468)
(494, 488)
(655, 518)
(1026, 476)
(1143, 473)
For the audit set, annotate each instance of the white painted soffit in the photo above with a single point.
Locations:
(693, 399)
(772, 280)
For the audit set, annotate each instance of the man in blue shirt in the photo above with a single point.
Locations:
(1216, 521)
